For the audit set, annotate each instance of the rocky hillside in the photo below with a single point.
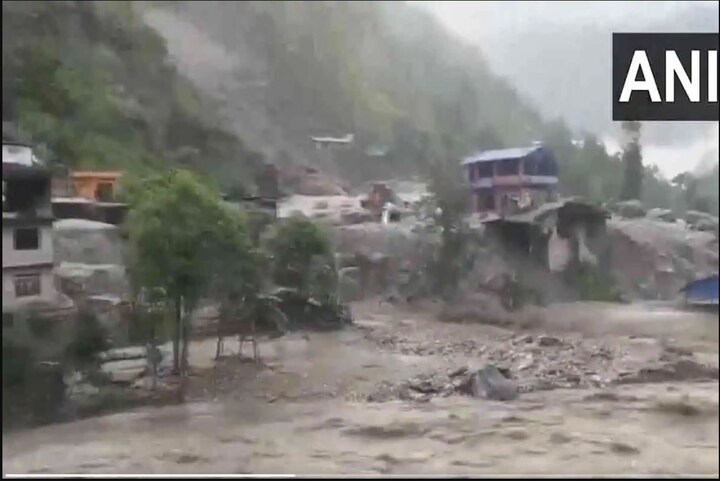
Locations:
(283, 71)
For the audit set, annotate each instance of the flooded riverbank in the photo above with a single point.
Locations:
(306, 409)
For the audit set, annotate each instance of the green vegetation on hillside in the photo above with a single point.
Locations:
(94, 87)
(95, 84)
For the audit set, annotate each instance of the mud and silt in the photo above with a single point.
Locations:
(600, 391)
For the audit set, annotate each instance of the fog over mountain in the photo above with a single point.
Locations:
(559, 57)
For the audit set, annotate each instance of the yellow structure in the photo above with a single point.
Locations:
(98, 186)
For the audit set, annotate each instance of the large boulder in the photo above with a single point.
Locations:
(489, 383)
(630, 209)
(701, 221)
(657, 213)
(694, 216)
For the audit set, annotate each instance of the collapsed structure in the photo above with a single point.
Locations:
(516, 192)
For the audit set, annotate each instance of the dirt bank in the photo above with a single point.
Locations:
(309, 407)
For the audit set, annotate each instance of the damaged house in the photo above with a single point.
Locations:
(557, 235)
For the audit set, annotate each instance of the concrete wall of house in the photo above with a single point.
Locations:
(48, 293)
(13, 257)
(590, 247)
(580, 232)
(559, 252)
(86, 185)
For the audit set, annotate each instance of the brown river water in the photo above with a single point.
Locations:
(306, 409)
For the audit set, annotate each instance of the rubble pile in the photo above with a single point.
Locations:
(530, 363)
(653, 259)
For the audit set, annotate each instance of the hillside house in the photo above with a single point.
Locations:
(27, 232)
(94, 185)
(511, 181)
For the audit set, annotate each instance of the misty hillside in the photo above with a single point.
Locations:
(565, 69)
(388, 73)
(221, 86)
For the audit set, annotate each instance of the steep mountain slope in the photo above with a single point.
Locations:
(221, 86)
(388, 73)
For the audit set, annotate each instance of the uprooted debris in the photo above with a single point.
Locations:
(527, 363)
(486, 383)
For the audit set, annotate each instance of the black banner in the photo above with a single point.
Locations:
(665, 76)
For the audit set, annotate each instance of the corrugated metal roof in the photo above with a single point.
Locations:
(493, 155)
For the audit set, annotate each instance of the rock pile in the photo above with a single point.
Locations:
(524, 363)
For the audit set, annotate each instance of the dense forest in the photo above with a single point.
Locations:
(108, 84)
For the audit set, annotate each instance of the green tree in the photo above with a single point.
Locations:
(300, 253)
(452, 199)
(236, 271)
(632, 161)
(687, 182)
(172, 227)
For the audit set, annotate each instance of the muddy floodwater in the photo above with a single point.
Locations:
(608, 390)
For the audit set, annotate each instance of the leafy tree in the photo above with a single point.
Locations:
(91, 338)
(172, 227)
(237, 278)
(452, 200)
(301, 252)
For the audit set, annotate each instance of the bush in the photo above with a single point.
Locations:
(17, 362)
(591, 283)
(301, 253)
(90, 339)
(40, 327)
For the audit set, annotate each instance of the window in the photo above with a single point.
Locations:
(27, 285)
(485, 169)
(508, 167)
(27, 239)
(104, 192)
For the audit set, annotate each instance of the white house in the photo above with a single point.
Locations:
(27, 233)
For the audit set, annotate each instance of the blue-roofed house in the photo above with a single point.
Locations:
(510, 181)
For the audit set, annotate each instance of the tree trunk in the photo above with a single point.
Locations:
(185, 330)
(185, 341)
(176, 335)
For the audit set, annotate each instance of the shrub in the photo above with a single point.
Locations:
(17, 362)
(300, 251)
(40, 326)
(90, 339)
(591, 283)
